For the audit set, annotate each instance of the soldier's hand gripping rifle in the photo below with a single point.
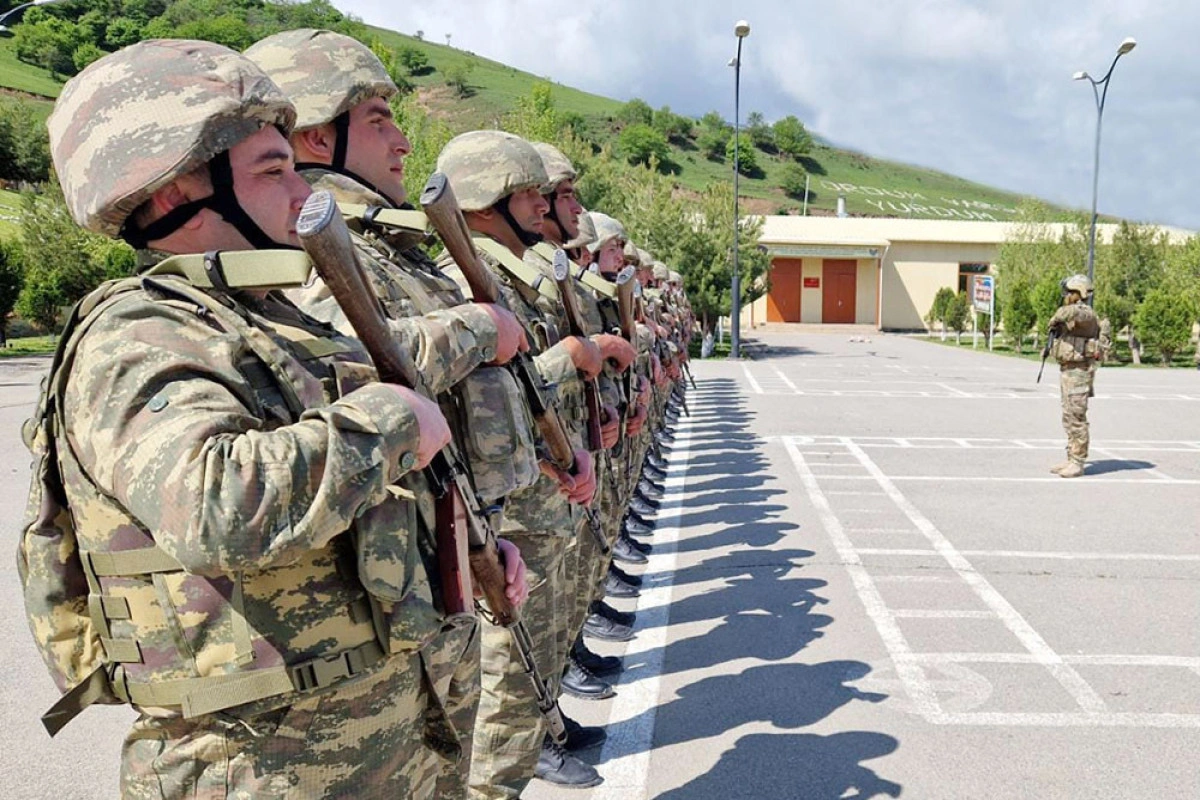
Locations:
(463, 536)
(591, 391)
(441, 208)
(1050, 337)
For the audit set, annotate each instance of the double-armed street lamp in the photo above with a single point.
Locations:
(1100, 95)
(741, 30)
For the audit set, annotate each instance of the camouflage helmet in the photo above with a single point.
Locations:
(661, 273)
(484, 167)
(675, 278)
(632, 254)
(1079, 283)
(325, 74)
(558, 167)
(607, 229)
(587, 232)
(137, 119)
(645, 259)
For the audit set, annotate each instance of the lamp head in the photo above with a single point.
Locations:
(1080, 76)
(1128, 44)
(733, 62)
(742, 29)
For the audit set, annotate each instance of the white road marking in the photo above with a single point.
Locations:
(933, 613)
(1069, 719)
(753, 383)
(1037, 554)
(953, 390)
(1091, 482)
(784, 378)
(637, 702)
(1076, 686)
(915, 682)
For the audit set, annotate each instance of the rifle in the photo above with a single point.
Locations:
(591, 392)
(1050, 337)
(463, 536)
(688, 370)
(441, 208)
(626, 286)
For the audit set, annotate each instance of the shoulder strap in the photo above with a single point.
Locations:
(239, 269)
(517, 269)
(591, 280)
(406, 219)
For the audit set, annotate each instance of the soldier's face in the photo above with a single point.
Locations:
(529, 209)
(377, 147)
(583, 256)
(611, 257)
(567, 208)
(267, 186)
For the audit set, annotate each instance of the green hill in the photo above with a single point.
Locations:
(872, 187)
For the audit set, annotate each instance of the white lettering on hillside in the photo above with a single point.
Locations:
(915, 204)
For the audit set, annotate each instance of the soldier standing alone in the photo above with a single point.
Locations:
(1079, 343)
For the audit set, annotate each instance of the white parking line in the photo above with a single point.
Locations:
(753, 383)
(1075, 685)
(1037, 554)
(784, 378)
(933, 613)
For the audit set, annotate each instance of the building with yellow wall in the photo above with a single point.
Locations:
(875, 270)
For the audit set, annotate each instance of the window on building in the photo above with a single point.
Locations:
(966, 273)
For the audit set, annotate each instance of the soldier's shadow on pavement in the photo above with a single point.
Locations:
(1117, 465)
(766, 766)
(786, 696)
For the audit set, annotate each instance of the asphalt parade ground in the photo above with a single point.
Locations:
(865, 583)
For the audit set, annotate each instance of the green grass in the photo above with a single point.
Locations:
(10, 208)
(24, 77)
(29, 346)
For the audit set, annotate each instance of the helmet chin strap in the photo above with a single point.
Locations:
(552, 215)
(222, 201)
(341, 127)
(527, 238)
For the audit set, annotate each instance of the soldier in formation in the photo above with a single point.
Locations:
(278, 619)
(1079, 341)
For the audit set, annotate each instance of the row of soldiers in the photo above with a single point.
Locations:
(233, 522)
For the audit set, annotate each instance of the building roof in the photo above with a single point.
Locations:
(882, 231)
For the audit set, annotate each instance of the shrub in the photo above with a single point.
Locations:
(1164, 322)
(640, 144)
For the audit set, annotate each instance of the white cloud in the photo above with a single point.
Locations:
(979, 89)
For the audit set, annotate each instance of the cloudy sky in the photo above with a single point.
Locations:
(977, 88)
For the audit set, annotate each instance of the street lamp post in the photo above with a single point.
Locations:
(1100, 96)
(741, 30)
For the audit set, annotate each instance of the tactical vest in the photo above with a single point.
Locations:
(119, 620)
(1079, 342)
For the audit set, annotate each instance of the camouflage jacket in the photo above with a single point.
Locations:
(1078, 340)
(215, 451)
(541, 507)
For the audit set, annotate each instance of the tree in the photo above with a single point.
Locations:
(791, 138)
(793, 180)
(458, 77)
(12, 278)
(713, 136)
(1164, 321)
(747, 159)
(676, 127)
(535, 117)
(958, 315)
(760, 132)
(1133, 268)
(24, 146)
(636, 112)
(642, 144)
(413, 60)
(1019, 316)
(1045, 297)
(940, 310)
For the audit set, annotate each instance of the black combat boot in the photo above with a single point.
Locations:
(647, 488)
(594, 662)
(634, 527)
(604, 628)
(623, 576)
(608, 612)
(582, 737)
(624, 551)
(578, 681)
(615, 587)
(555, 765)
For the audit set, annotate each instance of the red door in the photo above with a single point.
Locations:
(783, 302)
(840, 290)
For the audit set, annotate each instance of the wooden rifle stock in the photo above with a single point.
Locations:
(442, 210)
(591, 393)
(326, 240)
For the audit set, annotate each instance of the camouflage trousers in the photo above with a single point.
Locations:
(365, 738)
(587, 563)
(452, 664)
(1076, 386)
(509, 728)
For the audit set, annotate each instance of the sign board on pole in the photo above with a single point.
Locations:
(984, 286)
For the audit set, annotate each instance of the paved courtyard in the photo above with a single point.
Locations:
(865, 583)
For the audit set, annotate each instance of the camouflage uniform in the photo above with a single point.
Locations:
(484, 167)
(256, 583)
(1077, 349)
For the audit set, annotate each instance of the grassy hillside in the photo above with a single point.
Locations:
(871, 186)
